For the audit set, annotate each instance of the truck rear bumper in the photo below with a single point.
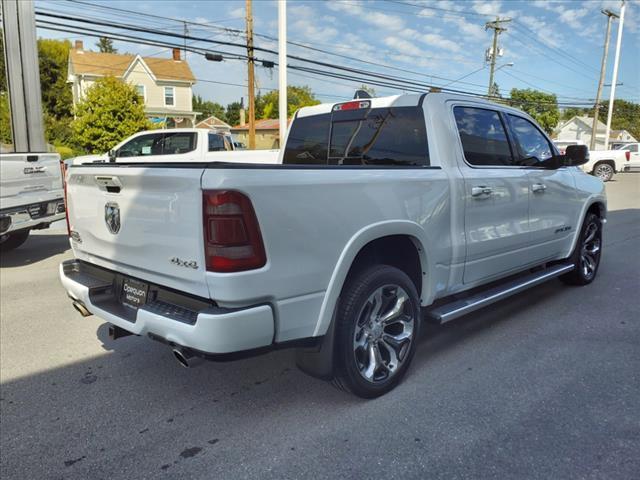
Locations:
(174, 318)
(31, 215)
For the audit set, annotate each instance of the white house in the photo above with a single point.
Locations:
(164, 83)
(215, 124)
(579, 128)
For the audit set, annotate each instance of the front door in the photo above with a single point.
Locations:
(496, 197)
(554, 208)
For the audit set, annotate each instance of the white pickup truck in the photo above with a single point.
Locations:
(31, 195)
(178, 145)
(605, 163)
(382, 213)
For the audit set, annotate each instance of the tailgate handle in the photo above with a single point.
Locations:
(111, 184)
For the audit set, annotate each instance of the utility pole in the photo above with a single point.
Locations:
(603, 69)
(282, 69)
(493, 54)
(615, 76)
(186, 34)
(250, 65)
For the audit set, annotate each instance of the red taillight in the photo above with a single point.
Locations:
(232, 238)
(627, 154)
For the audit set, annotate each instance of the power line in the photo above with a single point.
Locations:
(380, 80)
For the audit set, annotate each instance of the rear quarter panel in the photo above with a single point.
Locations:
(314, 221)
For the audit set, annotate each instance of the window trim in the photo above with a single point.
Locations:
(173, 96)
(506, 132)
(144, 91)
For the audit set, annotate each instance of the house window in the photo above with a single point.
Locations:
(169, 100)
(141, 92)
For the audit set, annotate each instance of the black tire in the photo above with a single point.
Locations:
(10, 241)
(361, 319)
(586, 256)
(604, 171)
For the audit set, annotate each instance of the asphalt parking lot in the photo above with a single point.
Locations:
(543, 385)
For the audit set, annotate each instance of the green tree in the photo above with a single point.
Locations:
(569, 113)
(233, 113)
(297, 97)
(370, 90)
(543, 107)
(626, 116)
(3, 78)
(53, 55)
(111, 111)
(5, 122)
(105, 45)
(208, 108)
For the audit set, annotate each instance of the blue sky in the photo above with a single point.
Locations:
(555, 46)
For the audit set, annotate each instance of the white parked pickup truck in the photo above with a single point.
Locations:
(31, 195)
(384, 212)
(605, 163)
(178, 145)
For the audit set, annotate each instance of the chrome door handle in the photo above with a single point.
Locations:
(538, 187)
(481, 191)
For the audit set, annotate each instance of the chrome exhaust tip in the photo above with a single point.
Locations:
(81, 309)
(186, 358)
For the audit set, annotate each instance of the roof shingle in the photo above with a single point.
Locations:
(115, 64)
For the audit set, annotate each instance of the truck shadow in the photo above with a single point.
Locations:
(38, 247)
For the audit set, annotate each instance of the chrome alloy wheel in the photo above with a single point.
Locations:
(604, 172)
(590, 251)
(383, 333)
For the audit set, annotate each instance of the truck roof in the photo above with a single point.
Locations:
(403, 100)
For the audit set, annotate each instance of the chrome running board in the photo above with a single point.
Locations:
(458, 308)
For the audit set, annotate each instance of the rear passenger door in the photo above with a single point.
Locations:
(554, 209)
(496, 198)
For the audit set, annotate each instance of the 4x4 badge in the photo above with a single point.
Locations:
(112, 217)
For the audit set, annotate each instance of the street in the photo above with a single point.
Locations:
(543, 385)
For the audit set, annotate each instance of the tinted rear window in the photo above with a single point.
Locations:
(379, 136)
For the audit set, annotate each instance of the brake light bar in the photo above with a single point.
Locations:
(232, 238)
(356, 105)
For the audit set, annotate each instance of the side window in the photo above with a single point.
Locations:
(179, 142)
(533, 146)
(169, 96)
(308, 140)
(140, 146)
(385, 136)
(633, 148)
(483, 136)
(227, 144)
(158, 144)
(216, 143)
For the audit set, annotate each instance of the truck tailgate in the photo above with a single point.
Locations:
(141, 221)
(30, 178)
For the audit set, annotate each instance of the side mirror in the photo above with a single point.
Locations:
(112, 155)
(576, 155)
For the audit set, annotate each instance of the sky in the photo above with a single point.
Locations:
(555, 46)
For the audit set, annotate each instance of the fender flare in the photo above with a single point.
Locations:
(354, 245)
(591, 201)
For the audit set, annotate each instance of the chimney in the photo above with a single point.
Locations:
(242, 120)
(79, 45)
(176, 54)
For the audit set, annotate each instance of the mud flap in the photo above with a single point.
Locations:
(318, 361)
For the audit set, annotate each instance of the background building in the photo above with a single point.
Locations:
(580, 128)
(164, 83)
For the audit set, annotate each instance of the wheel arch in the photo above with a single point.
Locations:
(358, 249)
(595, 205)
